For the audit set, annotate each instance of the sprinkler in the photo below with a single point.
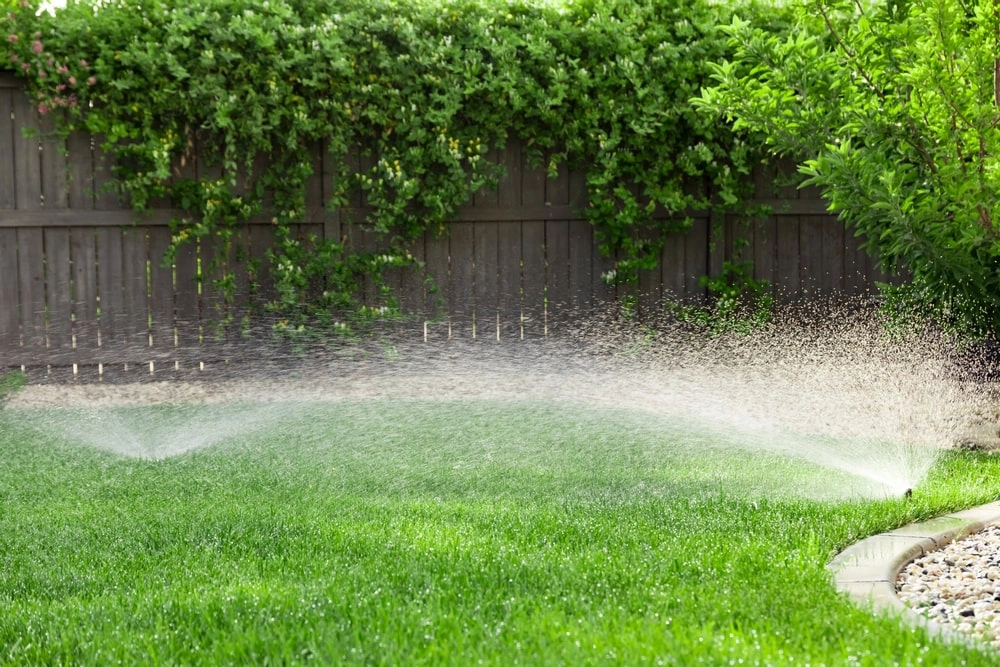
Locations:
(908, 494)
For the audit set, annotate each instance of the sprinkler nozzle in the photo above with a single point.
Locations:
(908, 494)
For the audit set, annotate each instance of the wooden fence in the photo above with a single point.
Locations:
(82, 282)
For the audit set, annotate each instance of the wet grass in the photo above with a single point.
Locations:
(445, 533)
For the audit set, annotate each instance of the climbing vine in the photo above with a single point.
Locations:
(405, 98)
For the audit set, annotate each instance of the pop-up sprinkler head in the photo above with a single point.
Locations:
(908, 494)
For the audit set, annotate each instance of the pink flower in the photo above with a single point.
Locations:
(36, 46)
(72, 100)
(61, 87)
(14, 57)
(91, 80)
(83, 63)
(12, 38)
(25, 66)
(63, 69)
(43, 109)
(41, 74)
(72, 80)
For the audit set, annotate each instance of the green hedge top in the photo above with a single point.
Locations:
(425, 87)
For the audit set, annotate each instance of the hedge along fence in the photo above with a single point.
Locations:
(83, 282)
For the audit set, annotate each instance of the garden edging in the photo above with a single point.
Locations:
(867, 570)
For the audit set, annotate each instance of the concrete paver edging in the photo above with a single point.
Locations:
(867, 570)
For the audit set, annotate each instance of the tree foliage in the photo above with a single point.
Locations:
(893, 109)
(423, 90)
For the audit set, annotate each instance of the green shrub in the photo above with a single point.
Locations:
(893, 109)
(422, 89)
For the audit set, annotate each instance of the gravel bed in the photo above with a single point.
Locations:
(958, 586)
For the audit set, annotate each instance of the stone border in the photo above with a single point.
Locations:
(867, 570)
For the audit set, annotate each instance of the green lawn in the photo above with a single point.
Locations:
(394, 532)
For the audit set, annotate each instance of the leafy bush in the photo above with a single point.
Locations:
(893, 108)
(422, 89)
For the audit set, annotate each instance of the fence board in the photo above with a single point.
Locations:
(533, 276)
(135, 308)
(436, 318)
(31, 281)
(461, 303)
(673, 268)
(696, 257)
(10, 322)
(581, 278)
(187, 299)
(764, 249)
(53, 167)
(83, 254)
(485, 292)
(81, 171)
(557, 267)
(811, 260)
(509, 280)
(111, 288)
(833, 255)
(161, 290)
(27, 170)
(788, 255)
(57, 287)
(8, 169)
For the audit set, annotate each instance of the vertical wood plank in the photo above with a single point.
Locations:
(27, 161)
(811, 249)
(83, 250)
(509, 190)
(10, 316)
(81, 171)
(557, 189)
(438, 295)
(102, 164)
(485, 285)
(412, 297)
(31, 281)
(52, 163)
(8, 163)
(135, 286)
(854, 265)
(673, 267)
(789, 256)
(580, 267)
(509, 279)
(557, 268)
(696, 258)
(462, 300)
(111, 288)
(59, 317)
(534, 192)
(833, 255)
(533, 276)
(650, 292)
(187, 299)
(764, 250)
(161, 291)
